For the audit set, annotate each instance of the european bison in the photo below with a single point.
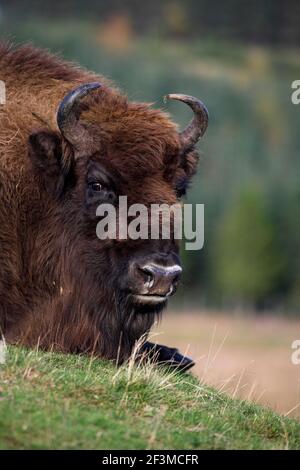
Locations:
(70, 141)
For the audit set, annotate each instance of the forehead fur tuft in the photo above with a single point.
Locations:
(141, 136)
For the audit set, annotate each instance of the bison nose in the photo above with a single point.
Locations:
(158, 279)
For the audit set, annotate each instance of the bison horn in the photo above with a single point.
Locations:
(67, 118)
(198, 125)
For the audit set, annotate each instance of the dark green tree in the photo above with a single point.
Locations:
(248, 262)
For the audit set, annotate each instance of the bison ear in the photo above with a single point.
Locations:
(51, 161)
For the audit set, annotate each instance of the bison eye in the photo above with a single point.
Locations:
(96, 186)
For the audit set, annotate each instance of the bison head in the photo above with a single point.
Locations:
(106, 147)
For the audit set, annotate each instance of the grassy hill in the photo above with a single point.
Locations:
(58, 401)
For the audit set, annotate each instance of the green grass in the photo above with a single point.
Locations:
(54, 401)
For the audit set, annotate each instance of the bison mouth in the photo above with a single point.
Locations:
(147, 302)
(148, 298)
(143, 302)
(151, 299)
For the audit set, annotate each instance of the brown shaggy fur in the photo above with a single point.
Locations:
(59, 284)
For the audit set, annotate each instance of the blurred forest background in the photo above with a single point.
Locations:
(240, 59)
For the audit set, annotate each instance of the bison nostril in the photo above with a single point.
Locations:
(150, 281)
(147, 277)
(159, 279)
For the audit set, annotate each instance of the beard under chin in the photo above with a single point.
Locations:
(131, 323)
